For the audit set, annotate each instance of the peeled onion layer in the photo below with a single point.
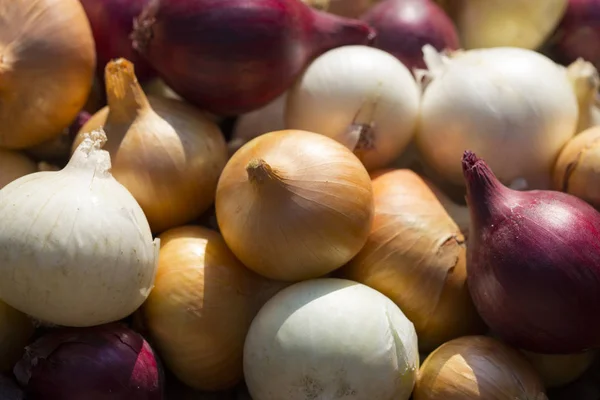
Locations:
(47, 67)
(201, 307)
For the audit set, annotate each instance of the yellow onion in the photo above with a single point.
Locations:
(201, 307)
(477, 368)
(15, 331)
(560, 369)
(416, 256)
(46, 69)
(165, 152)
(577, 170)
(586, 82)
(294, 205)
(14, 165)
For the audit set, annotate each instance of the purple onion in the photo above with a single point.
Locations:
(533, 263)
(108, 362)
(405, 26)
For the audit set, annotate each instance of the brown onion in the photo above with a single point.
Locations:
(294, 205)
(165, 152)
(560, 369)
(477, 368)
(14, 165)
(46, 69)
(416, 256)
(201, 307)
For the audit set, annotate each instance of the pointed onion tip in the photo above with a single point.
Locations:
(469, 160)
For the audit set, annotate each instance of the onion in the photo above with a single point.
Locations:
(99, 363)
(158, 146)
(15, 331)
(75, 247)
(112, 23)
(46, 69)
(534, 264)
(560, 369)
(477, 367)
(13, 165)
(201, 307)
(361, 97)
(416, 256)
(459, 213)
(245, 67)
(497, 102)
(586, 82)
(496, 23)
(294, 205)
(405, 26)
(328, 339)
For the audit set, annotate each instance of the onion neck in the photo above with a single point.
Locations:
(331, 31)
(126, 99)
(585, 81)
(90, 157)
(259, 172)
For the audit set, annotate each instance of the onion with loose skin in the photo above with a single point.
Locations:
(294, 205)
(477, 368)
(47, 63)
(233, 56)
(13, 165)
(201, 307)
(560, 369)
(360, 96)
(165, 152)
(533, 263)
(416, 256)
(330, 339)
(586, 82)
(498, 103)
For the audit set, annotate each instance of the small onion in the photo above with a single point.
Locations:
(586, 82)
(477, 367)
(560, 369)
(330, 339)
(416, 256)
(14, 165)
(201, 307)
(294, 205)
(158, 146)
(360, 96)
(46, 69)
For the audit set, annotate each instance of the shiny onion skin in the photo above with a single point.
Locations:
(294, 205)
(533, 263)
(404, 26)
(46, 69)
(112, 23)
(416, 256)
(107, 362)
(233, 56)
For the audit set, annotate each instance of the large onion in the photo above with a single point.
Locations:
(201, 307)
(46, 68)
(294, 205)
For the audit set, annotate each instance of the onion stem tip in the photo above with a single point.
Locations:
(258, 171)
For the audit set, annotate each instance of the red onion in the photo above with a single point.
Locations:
(533, 263)
(112, 23)
(405, 26)
(108, 362)
(233, 56)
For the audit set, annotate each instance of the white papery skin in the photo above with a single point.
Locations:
(75, 246)
(330, 339)
(362, 85)
(514, 108)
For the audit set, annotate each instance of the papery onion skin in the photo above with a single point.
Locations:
(586, 82)
(108, 362)
(46, 72)
(416, 256)
(14, 165)
(294, 205)
(558, 370)
(405, 26)
(262, 46)
(15, 331)
(477, 367)
(201, 307)
(533, 263)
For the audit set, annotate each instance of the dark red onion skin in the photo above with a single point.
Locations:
(233, 56)
(533, 265)
(109, 362)
(112, 23)
(405, 26)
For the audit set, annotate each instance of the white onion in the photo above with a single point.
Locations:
(515, 108)
(330, 339)
(362, 97)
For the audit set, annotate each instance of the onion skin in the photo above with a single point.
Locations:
(201, 307)
(416, 256)
(405, 26)
(533, 264)
(294, 205)
(14, 165)
(477, 368)
(262, 46)
(103, 362)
